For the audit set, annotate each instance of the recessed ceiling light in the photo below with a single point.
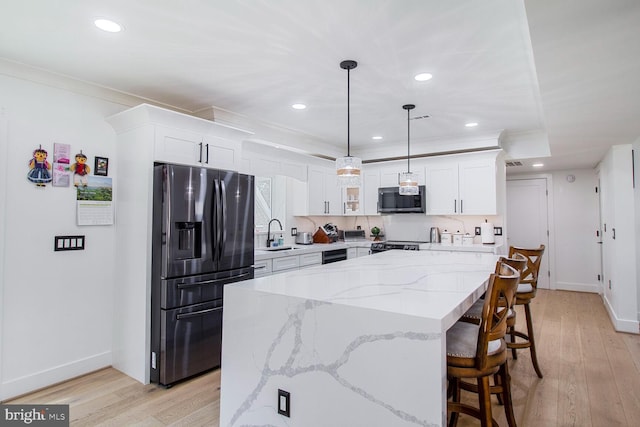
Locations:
(471, 125)
(537, 165)
(376, 137)
(108, 25)
(423, 77)
(298, 106)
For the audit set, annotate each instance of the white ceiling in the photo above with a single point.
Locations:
(560, 75)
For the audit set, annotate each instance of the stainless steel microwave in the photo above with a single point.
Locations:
(391, 201)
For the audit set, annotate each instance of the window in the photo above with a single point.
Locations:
(263, 203)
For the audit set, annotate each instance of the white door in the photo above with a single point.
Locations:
(527, 219)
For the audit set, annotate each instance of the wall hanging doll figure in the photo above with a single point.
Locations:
(39, 168)
(80, 170)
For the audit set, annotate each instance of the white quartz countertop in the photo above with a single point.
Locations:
(476, 247)
(436, 285)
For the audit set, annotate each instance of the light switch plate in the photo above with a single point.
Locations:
(497, 231)
(68, 243)
(294, 231)
(284, 403)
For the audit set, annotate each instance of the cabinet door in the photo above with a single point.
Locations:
(307, 260)
(477, 188)
(371, 185)
(286, 263)
(178, 146)
(332, 193)
(442, 188)
(352, 201)
(220, 153)
(352, 253)
(389, 177)
(363, 251)
(262, 268)
(315, 184)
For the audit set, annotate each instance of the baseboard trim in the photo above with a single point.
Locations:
(621, 325)
(29, 383)
(577, 287)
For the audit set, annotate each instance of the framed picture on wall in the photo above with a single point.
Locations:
(102, 166)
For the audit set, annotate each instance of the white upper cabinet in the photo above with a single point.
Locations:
(442, 188)
(183, 139)
(324, 193)
(174, 145)
(371, 185)
(464, 186)
(389, 175)
(352, 201)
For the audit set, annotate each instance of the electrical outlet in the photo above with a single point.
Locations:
(294, 231)
(284, 403)
(478, 232)
(497, 231)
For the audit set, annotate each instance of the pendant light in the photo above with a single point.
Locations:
(407, 181)
(348, 168)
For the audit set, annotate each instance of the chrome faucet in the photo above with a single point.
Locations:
(269, 239)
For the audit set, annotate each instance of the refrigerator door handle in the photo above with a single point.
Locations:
(215, 230)
(197, 313)
(223, 219)
(218, 220)
(213, 281)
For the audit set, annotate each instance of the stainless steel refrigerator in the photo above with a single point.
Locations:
(203, 224)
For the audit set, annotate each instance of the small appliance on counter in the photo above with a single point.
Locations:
(434, 234)
(304, 238)
(352, 235)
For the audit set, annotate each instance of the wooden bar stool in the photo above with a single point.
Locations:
(474, 313)
(526, 292)
(479, 351)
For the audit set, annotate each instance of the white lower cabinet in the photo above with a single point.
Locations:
(286, 263)
(262, 268)
(357, 252)
(308, 260)
(363, 251)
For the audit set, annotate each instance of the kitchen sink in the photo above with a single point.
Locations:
(279, 248)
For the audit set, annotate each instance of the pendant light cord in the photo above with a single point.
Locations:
(408, 107)
(408, 139)
(348, 112)
(348, 65)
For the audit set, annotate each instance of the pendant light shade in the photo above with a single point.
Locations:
(348, 168)
(407, 181)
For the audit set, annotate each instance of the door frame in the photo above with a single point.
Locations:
(4, 150)
(550, 247)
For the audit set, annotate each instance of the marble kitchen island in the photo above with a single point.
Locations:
(355, 343)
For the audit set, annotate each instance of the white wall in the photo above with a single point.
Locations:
(575, 220)
(57, 307)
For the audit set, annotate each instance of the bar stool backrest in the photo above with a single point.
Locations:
(493, 326)
(530, 273)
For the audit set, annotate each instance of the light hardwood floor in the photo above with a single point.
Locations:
(591, 378)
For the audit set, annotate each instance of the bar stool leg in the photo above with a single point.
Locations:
(532, 343)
